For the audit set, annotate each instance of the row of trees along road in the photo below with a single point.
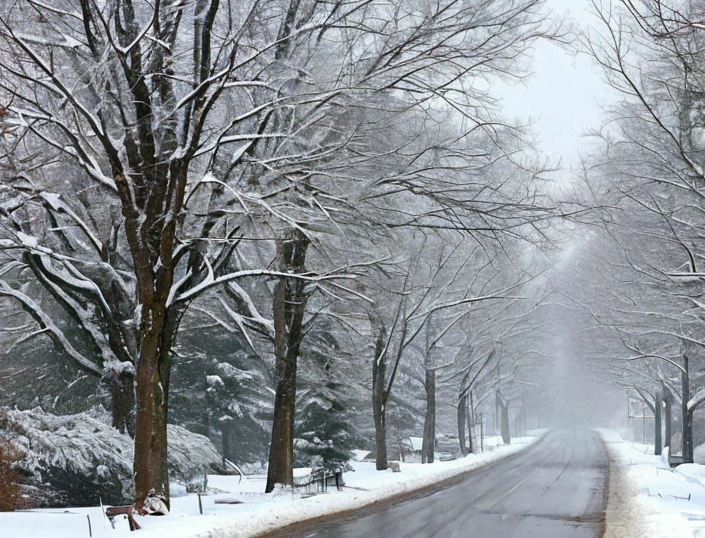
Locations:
(647, 173)
(281, 163)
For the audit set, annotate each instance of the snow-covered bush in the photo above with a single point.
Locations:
(699, 454)
(191, 456)
(79, 460)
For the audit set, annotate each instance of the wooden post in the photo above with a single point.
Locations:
(90, 530)
(200, 504)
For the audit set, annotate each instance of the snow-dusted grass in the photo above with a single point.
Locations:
(647, 498)
(258, 513)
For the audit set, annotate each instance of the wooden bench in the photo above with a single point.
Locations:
(128, 511)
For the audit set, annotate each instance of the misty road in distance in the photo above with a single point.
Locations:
(554, 489)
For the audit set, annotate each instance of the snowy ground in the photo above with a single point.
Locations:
(258, 512)
(647, 498)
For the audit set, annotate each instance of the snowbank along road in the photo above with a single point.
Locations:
(555, 489)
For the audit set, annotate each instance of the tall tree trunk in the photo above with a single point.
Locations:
(506, 435)
(226, 439)
(429, 426)
(471, 423)
(281, 452)
(668, 419)
(688, 438)
(152, 392)
(462, 419)
(289, 308)
(149, 468)
(122, 403)
(658, 410)
(379, 392)
(379, 410)
(687, 416)
(503, 408)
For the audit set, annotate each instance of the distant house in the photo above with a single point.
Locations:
(416, 444)
(446, 448)
(361, 455)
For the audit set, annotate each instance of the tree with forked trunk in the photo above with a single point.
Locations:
(236, 138)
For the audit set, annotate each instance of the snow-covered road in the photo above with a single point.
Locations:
(554, 489)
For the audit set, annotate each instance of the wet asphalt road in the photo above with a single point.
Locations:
(554, 489)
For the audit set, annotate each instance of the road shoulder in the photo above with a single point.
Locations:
(622, 512)
(647, 498)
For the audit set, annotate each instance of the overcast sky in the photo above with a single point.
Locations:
(564, 96)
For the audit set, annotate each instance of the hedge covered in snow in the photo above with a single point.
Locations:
(80, 460)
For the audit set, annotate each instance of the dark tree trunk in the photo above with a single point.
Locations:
(506, 435)
(152, 392)
(281, 452)
(429, 426)
(381, 458)
(687, 423)
(289, 308)
(462, 419)
(379, 394)
(150, 435)
(471, 424)
(379, 374)
(668, 419)
(688, 437)
(226, 439)
(658, 409)
(122, 403)
(503, 408)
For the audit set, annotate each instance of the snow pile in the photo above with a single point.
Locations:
(647, 498)
(254, 513)
(699, 454)
(692, 472)
(191, 456)
(75, 460)
(70, 460)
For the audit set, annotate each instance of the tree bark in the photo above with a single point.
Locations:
(379, 374)
(289, 308)
(122, 403)
(462, 419)
(658, 409)
(687, 416)
(429, 427)
(150, 435)
(504, 419)
(379, 395)
(226, 439)
(152, 394)
(688, 453)
(506, 435)
(471, 423)
(281, 452)
(668, 419)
